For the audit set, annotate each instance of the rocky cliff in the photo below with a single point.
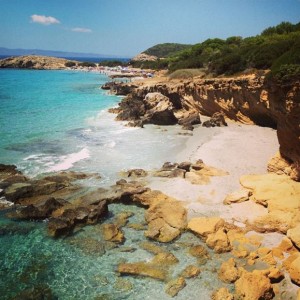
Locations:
(247, 99)
(34, 62)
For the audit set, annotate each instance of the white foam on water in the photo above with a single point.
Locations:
(67, 161)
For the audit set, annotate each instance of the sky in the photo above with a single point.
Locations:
(127, 27)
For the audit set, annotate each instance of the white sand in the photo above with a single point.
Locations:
(237, 149)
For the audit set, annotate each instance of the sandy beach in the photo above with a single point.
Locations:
(237, 149)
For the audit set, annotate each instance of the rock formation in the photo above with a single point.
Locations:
(34, 62)
(248, 99)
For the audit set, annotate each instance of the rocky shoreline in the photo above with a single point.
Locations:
(253, 265)
(249, 99)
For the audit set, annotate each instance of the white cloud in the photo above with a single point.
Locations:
(44, 20)
(79, 29)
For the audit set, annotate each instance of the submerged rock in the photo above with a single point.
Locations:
(112, 233)
(228, 271)
(143, 269)
(190, 272)
(174, 286)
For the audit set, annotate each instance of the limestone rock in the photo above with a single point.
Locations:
(35, 62)
(165, 258)
(294, 235)
(218, 241)
(174, 286)
(143, 269)
(204, 226)
(279, 165)
(190, 272)
(222, 294)
(166, 220)
(237, 197)
(253, 285)
(294, 270)
(217, 119)
(144, 57)
(228, 271)
(112, 232)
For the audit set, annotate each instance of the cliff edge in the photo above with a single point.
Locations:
(247, 99)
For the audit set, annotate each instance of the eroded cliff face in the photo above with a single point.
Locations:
(249, 100)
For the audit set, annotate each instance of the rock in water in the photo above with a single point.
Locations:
(174, 286)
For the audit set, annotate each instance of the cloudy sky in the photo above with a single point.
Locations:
(127, 27)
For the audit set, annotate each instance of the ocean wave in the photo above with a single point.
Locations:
(67, 161)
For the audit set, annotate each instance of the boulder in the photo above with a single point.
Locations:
(294, 270)
(218, 241)
(59, 227)
(294, 235)
(237, 197)
(222, 294)
(112, 233)
(204, 226)
(174, 286)
(228, 271)
(166, 219)
(253, 285)
(217, 120)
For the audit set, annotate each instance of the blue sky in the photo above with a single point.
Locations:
(127, 27)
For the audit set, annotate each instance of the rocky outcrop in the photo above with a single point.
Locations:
(144, 57)
(35, 62)
(248, 99)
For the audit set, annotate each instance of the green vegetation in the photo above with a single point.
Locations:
(166, 50)
(112, 63)
(86, 64)
(276, 48)
(70, 64)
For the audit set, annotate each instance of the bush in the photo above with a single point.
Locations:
(70, 64)
(287, 73)
(87, 64)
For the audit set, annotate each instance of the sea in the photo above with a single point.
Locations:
(52, 121)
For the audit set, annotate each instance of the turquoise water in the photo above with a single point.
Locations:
(58, 120)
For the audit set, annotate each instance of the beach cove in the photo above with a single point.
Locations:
(88, 264)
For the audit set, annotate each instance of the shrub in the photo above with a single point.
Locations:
(70, 64)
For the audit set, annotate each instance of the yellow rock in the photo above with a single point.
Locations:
(174, 286)
(294, 235)
(165, 258)
(294, 270)
(218, 241)
(237, 197)
(253, 285)
(228, 271)
(190, 272)
(143, 269)
(112, 233)
(222, 294)
(204, 226)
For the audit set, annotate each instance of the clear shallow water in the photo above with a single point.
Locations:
(51, 120)
(57, 120)
(77, 267)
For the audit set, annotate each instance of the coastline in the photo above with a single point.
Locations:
(237, 149)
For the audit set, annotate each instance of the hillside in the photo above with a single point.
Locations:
(276, 48)
(35, 62)
(166, 50)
